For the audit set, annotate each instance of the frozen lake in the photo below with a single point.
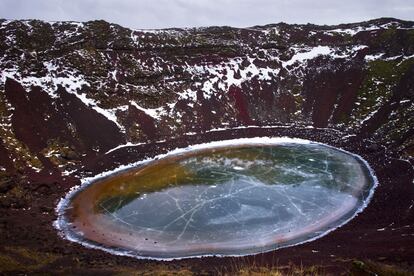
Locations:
(234, 200)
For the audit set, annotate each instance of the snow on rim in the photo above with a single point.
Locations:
(61, 224)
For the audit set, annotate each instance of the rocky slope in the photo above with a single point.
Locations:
(70, 88)
(73, 94)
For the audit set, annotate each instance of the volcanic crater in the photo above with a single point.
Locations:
(82, 100)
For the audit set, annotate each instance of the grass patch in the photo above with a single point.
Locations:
(24, 260)
(375, 268)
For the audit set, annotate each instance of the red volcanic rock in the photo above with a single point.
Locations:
(144, 121)
(331, 94)
(240, 105)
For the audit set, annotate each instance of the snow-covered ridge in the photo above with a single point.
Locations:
(353, 31)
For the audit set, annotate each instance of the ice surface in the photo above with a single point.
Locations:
(226, 201)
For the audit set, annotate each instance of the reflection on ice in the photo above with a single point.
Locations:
(227, 201)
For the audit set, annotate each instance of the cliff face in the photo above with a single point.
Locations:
(70, 90)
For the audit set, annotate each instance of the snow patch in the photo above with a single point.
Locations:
(221, 77)
(152, 112)
(73, 81)
(129, 144)
(313, 53)
(373, 57)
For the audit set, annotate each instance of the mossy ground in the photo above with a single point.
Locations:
(378, 86)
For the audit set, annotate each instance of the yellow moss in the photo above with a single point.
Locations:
(24, 259)
(381, 78)
(242, 266)
(258, 271)
(242, 269)
(375, 268)
(17, 192)
(39, 257)
(135, 134)
(8, 264)
(149, 270)
(54, 151)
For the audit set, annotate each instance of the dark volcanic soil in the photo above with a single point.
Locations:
(383, 232)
